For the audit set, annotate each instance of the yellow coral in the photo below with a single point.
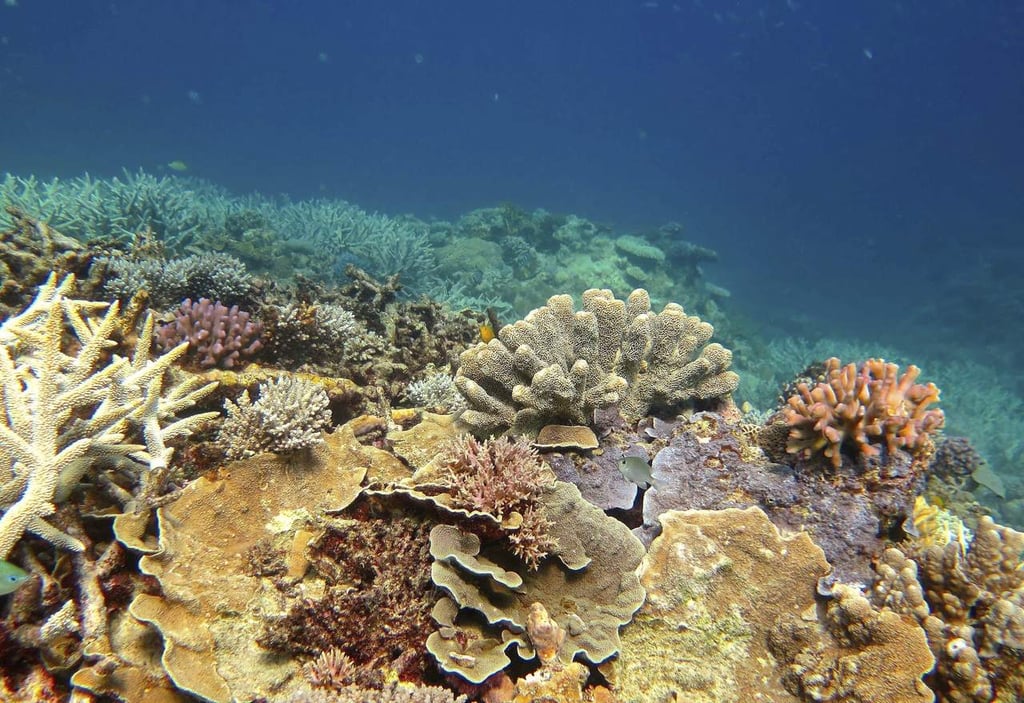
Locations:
(937, 526)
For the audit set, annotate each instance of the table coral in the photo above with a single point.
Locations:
(559, 365)
(857, 408)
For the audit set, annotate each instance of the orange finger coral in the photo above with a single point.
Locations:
(858, 408)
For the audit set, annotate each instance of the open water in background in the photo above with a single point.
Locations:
(859, 166)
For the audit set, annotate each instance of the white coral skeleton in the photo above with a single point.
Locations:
(69, 407)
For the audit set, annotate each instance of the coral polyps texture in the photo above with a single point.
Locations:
(559, 365)
(218, 336)
(859, 408)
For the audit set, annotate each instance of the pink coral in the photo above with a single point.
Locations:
(502, 478)
(218, 336)
(860, 408)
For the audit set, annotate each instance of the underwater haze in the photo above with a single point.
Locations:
(857, 166)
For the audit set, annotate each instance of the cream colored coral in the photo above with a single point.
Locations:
(971, 606)
(559, 365)
(66, 407)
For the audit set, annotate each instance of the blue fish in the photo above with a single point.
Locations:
(11, 577)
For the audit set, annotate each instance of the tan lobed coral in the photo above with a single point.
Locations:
(211, 606)
(559, 365)
(732, 614)
(588, 589)
(970, 602)
(858, 408)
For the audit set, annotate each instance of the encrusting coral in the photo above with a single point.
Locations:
(558, 365)
(970, 603)
(733, 614)
(857, 408)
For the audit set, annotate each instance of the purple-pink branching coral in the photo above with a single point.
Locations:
(218, 336)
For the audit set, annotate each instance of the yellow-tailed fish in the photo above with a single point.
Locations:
(11, 577)
(179, 166)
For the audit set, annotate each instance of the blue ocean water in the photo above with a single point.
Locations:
(858, 166)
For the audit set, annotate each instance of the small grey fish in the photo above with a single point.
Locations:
(11, 577)
(637, 470)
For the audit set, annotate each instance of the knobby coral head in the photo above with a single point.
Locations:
(860, 407)
(218, 336)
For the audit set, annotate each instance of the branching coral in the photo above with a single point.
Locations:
(502, 478)
(289, 415)
(217, 336)
(559, 365)
(861, 407)
(68, 407)
(167, 282)
(375, 608)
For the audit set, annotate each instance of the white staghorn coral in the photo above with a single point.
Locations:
(67, 407)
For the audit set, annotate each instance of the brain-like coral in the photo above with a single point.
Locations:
(859, 408)
(559, 365)
(218, 336)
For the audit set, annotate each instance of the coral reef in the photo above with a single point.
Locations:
(288, 415)
(970, 601)
(732, 614)
(69, 409)
(558, 366)
(397, 553)
(178, 210)
(217, 336)
(857, 408)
